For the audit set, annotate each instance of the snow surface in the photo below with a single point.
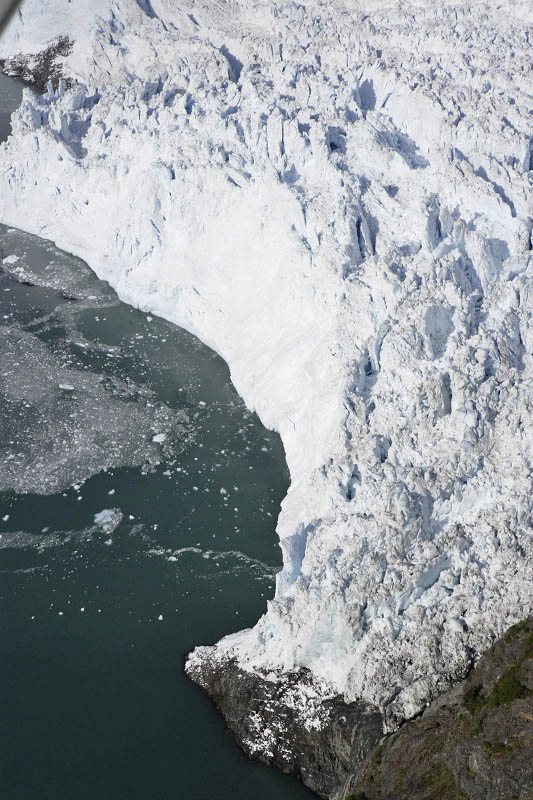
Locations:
(337, 198)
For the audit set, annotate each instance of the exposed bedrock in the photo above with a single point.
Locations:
(37, 69)
(284, 720)
(473, 742)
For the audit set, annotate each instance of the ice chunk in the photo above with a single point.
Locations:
(108, 519)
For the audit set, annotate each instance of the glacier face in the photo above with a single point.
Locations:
(336, 198)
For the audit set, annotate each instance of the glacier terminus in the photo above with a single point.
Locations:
(337, 198)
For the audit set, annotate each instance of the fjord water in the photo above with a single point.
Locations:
(137, 520)
(10, 97)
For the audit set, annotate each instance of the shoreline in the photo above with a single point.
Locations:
(271, 722)
(471, 741)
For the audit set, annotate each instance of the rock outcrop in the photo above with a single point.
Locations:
(474, 742)
(285, 721)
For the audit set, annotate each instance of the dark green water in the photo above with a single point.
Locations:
(96, 616)
(10, 97)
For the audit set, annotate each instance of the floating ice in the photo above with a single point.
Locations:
(48, 443)
(108, 520)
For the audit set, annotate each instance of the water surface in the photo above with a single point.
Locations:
(137, 517)
(10, 97)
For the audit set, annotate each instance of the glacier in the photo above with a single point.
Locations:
(337, 198)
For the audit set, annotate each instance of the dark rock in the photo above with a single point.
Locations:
(37, 69)
(285, 723)
(475, 741)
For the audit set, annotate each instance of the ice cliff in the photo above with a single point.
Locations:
(337, 197)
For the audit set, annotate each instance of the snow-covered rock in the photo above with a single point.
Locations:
(337, 197)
